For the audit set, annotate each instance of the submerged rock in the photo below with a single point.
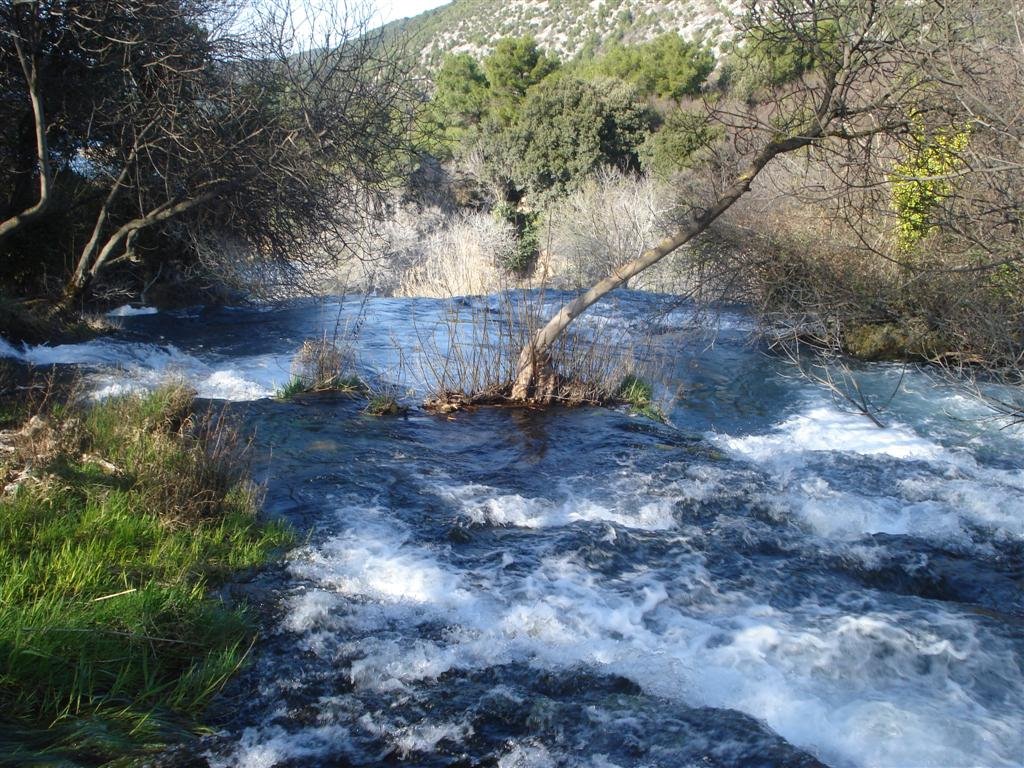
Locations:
(905, 340)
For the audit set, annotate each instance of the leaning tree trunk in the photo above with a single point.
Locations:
(535, 359)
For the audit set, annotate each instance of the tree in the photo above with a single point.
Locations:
(460, 102)
(187, 126)
(28, 62)
(767, 55)
(515, 64)
(864, 85)
(568, 127)
(673, 146)
(667, 67)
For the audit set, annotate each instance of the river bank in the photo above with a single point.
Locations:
(117, 520)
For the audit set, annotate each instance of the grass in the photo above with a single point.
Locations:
(384, 404)
(37, 321)
(109, 638)
(638, 394)
(346, 385)
(321, 365)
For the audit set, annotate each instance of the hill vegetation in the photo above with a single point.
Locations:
(566, 28)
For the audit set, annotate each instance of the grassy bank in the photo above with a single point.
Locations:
(116, 521)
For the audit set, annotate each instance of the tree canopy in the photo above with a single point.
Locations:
(568, 127)
(667, 67)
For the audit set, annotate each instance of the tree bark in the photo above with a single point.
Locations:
(31, 69)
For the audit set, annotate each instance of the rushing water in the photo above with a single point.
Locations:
(766, 581)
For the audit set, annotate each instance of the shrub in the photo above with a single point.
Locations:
(921, 181)
(666, 67)
(464, 255)
(673, 146)
(473, 360)
(612, 218)
(323, 365)
(522, 257)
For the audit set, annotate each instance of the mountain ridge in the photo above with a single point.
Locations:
(564, 27)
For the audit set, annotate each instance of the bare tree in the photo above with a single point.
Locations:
(269, 124)
(862, 86)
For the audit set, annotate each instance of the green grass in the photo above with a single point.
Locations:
(346, 385)
(638, 394)
(109, 638)
(384, 404)
(295, 386)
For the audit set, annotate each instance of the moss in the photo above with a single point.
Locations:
(905, 340)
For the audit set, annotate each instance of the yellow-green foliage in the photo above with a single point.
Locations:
(921, 182)
(108, 633)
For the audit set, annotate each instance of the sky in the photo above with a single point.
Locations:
(309, 16)
(389, 10)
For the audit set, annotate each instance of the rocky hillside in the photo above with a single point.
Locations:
(566, 27)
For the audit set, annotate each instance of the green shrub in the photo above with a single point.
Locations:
(568, 127)
(920, 182)
(673, 146)
(666, 67)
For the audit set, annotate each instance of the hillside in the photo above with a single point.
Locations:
(566, 27)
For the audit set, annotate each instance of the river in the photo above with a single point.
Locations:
(766, 580)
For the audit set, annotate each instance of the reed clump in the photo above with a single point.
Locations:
(323, 365)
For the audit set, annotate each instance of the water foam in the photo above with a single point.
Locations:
(8, 350)
(829, 429)
(127, 310)
(935, 492)
(485, 505)
(120, 366)
(855, 688)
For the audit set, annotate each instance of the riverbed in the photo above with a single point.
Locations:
(766, 579)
